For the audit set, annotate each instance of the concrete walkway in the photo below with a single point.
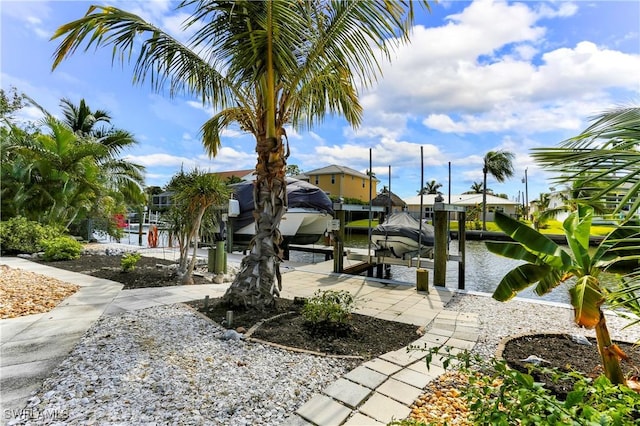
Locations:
(33, 346)
(376, 392)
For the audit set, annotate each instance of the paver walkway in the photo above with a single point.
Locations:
(376, 392)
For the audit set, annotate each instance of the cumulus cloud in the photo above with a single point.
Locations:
(162, 160)
(400, 154)
(477, 73)
(227, 158)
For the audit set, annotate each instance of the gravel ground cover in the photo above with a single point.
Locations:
(26, 293)
(168, 365)
(149, 366)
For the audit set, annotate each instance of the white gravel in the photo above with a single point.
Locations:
(519, 316)
(167, 365)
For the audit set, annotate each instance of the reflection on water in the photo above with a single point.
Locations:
(484, 270)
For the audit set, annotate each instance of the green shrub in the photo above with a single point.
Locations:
(332, 308)
(129, 261)
(19, 235)
(499, 395)
(61, 248)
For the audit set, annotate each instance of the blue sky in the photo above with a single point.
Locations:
(478, 76)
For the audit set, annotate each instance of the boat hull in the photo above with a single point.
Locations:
(399, 246)
(298, 226)
(403, 236)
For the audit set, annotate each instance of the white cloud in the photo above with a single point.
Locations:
(564, 10)
(174, 25)
(478, 73)
(31, 14)
(232, 133)
(162, 160)
(292, 133)
(317, 138)
(516, 117)
(400, 154)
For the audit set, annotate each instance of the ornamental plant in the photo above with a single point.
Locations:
(129, 261)
(499, 395)
(19, 235)
(61, 248)
(548, 265)
(329, 308)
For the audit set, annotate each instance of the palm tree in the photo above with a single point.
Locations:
(604, 163)
(82, 120)
(57, 174)
(194, 193)
(430, 187)
(499, 165)
(476, 188)
(53, 176)
(264, 65)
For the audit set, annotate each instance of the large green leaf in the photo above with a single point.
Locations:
(518, 279)
(624, 241)
(586, 298)
(550, 281)
(548, 251)
(577, 228)
(512, 251)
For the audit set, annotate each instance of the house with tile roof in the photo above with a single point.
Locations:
(494, 204)
(341, 182)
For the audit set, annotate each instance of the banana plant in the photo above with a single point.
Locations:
(548, 265)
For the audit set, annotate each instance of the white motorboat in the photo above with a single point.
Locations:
(402, 236)
(308, 213)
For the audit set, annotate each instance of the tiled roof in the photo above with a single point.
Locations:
(335, 169)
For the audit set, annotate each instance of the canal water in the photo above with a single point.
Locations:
(484, 270)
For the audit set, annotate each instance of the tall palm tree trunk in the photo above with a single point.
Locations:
(610, 358)
(259, 281)
(484, 199)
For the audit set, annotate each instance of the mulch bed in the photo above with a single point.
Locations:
(564, 354)
(147, 273)
(364, 337)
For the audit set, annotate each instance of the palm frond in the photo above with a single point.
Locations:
(161, 59)
(604, 158)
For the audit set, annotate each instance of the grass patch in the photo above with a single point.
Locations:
(362, 224)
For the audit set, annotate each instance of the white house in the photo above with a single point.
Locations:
(494, 204)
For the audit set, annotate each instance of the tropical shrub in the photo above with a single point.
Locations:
(329, 308)
(548, 265)
(19, 235)
(129, 261)
(61, 248)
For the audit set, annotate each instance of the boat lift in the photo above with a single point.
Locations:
(381, 262)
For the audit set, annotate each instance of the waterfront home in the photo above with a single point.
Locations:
(341, 182)
(494, 204)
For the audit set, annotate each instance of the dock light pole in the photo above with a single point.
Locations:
(525, 180)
